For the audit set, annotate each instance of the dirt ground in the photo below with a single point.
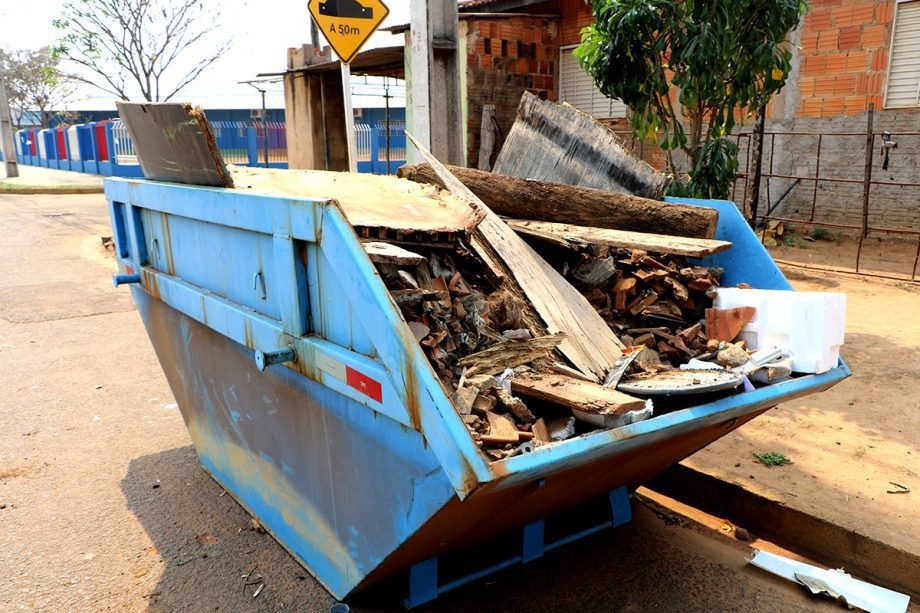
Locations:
(103, 505)
(848, 444)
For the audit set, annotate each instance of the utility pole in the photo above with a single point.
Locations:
(6, 135)
(436, 113)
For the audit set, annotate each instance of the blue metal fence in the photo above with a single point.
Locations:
(106, 148)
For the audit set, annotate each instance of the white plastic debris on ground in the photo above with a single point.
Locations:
(834, 583)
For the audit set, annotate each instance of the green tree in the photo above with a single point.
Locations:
(34, 83)
(719, 57)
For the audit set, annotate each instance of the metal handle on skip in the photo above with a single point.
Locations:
(264, 359)
(125, 279)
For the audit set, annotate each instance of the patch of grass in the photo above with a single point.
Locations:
(772, 458)
(820, 234)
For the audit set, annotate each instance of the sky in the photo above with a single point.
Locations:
(260, 32)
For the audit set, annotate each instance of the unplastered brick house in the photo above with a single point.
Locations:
(848, 54)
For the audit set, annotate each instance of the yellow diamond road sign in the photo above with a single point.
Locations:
(347, 24)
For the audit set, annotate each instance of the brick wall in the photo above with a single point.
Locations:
(507, 56)
(844, 56)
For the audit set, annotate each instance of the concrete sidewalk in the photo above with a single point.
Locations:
(838, 499)
(38, 180)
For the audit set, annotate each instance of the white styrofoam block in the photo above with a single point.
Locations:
(808, 325)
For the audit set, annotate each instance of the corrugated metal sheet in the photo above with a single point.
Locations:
(577, 88)
(904, 69)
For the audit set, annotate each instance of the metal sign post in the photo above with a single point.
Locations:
(347, 25)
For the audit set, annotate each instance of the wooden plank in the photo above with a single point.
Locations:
(545, 201)
(574, 236)
(557, 142)
(589, 343)
(387, 253)
(371, 201)
(575, 394)
(726, 324)
(174, 142)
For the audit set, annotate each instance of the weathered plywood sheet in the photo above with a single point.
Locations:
(369, 201)
(558, 143)
(174, 142)
(573, 236)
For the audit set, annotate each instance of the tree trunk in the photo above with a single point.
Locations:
(582, 206)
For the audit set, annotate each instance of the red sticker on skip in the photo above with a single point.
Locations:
(363, 384)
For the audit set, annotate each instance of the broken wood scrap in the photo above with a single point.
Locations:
(517, 198)
(387, 253)
(726, 324)
(589, 344)
(578, 236)
(574, 393)
(509, 354)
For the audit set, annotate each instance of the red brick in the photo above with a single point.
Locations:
(845, 85)
(831, 107)
(827, 41)
(879, 60)
(809, 42)
(845, 16)
(817, 20)
(884, 12)
(876, 100)
(824, 85)
(875, 36)
(806, 87)
(848, 38)
(835, 63)
(814, 65)
(857, 61)
(876, 83)
(855, 104)
(810, 107)
(862, 83)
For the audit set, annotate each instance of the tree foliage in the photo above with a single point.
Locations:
(154, 47)
(685, 68)
(34, 83)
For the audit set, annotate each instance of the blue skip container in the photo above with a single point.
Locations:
(309, 399)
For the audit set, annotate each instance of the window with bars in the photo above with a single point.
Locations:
(577, 88)
(903, 88)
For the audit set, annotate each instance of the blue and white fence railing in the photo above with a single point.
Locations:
(371, 142)
(106, 148)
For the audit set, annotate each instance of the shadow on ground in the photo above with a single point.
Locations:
(206, 542)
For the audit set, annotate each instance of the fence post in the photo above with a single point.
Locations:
(252, 146)
(110, 144)
(752, 189)
(375, 149)
(867, 177)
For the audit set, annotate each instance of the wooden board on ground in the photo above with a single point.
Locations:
(589, 344)
(575, 394)
(545, 201)
(369, 201)
(576, 236)
(559, 143)
(174, 142)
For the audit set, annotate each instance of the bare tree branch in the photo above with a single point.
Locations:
(137, 45)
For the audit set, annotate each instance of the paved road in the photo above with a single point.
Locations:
(104, 507)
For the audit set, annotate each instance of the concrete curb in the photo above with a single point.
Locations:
(50, 190)
(822, 540)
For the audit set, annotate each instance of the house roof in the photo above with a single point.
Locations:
(494, 6)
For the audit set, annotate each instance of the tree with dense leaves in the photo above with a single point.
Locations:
(34, 84)
(154, 47)
(685, 68)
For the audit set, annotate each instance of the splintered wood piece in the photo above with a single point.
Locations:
(387, 253)
(725, 324)
(578, 236)
(642, 302)
(678, 289)
(574, 393)
(589, 343)
(701, 284)
(515, 405)
(412, 296)
(174, 142)
(540, 433)
(509, 354)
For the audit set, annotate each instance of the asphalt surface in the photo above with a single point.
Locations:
(103, 505)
